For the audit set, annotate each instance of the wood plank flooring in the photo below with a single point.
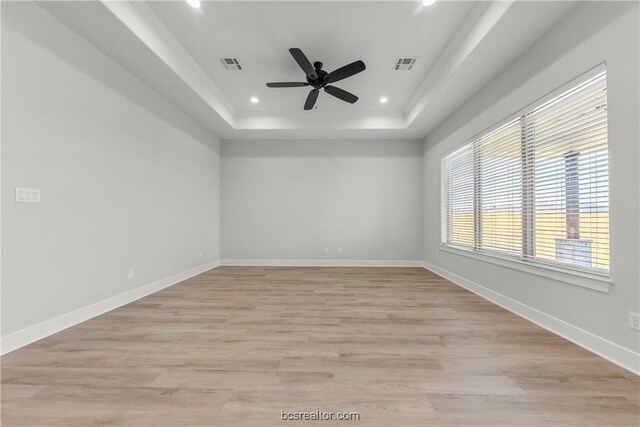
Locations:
(237, 345)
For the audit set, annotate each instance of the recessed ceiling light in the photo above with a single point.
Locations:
(194, 3)
(428, 2)
(383, 100)
(254, 100)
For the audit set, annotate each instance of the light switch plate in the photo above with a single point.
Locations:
(28, 195)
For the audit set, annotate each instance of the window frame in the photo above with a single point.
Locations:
(599, 280)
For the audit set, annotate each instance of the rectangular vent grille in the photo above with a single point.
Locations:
(404, 63)
(230, 64)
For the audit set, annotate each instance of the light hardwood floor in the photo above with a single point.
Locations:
(237, 345)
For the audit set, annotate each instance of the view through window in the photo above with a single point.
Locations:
(537, 187)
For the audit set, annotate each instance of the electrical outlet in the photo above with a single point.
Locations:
(340, 251)
(634, 321)
(132, 273)
(200, 254)
(326, 250)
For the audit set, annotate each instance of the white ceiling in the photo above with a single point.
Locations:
(175, 49)
(260, 34)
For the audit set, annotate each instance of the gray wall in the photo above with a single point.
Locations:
(126, 178)
(290, 200)
(594, 33)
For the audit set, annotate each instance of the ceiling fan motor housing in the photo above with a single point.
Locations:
(321, 81)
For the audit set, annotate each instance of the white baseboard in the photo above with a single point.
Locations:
(41, 330)
(611, 351)
(318, 263)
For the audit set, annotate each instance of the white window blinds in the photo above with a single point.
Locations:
(571, 202)
(458, 173)
(537, 187)
(500, 190)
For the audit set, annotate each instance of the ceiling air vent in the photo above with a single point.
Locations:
(404, 63)
(230, 64)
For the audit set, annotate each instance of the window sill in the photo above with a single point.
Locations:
(578, 278)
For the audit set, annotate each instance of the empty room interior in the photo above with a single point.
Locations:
(367, 213)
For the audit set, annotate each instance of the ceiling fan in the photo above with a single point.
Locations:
(320, 79)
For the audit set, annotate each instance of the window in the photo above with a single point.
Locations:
(458, 170)
(500, 190)
(536, 188)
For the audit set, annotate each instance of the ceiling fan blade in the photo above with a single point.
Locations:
(346, 71)
(304, 63)
(287, 84)
(341, 94)
(311, 99)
